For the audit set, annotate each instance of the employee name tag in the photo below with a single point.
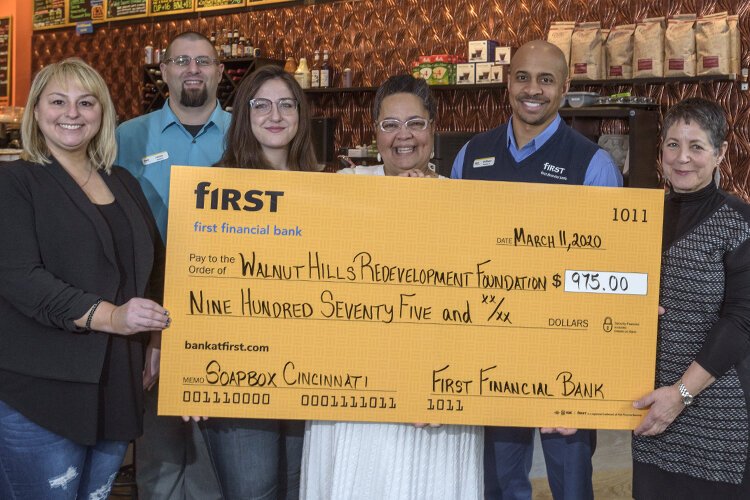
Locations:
(484, 162)
(148, 160)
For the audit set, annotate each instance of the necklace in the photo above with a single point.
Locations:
(91, 171)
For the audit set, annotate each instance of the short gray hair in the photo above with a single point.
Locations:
(709, 116)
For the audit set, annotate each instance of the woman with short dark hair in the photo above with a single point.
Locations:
(344, 460)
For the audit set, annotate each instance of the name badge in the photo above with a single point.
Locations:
(484, 162)
(148, 160)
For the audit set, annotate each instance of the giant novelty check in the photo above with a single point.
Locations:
(343, 297)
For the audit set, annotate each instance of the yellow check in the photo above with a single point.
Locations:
(340, 297)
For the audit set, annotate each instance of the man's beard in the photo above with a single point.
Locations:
(193, 98)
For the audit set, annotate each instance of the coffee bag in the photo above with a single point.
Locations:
(679, 46)
(712, 44)
(586, 51)
(648, 50)
(619, 50)
(734, 44)
(560, 34)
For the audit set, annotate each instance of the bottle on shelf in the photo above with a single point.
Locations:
(216, 39)
(249, 49)
(149, 53)
(302, 75)
(326, 72)
(315, 71)
(241, 47)
(226, 44)
(290, 66)
(236, 44)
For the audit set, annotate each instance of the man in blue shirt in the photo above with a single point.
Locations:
(171, 456)
(537, 146)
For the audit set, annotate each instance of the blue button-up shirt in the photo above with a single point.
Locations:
(602, 170)
(149, 145)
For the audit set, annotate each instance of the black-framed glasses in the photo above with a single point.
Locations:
(199, 60)
(285, 105)
(391, 125)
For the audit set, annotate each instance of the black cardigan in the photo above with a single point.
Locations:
(57, 257)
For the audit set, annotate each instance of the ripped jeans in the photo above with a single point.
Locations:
(38, 464)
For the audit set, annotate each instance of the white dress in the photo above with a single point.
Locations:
(374, 461)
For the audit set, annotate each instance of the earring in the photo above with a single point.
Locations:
(380, 160)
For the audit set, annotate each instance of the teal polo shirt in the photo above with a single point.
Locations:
(149, 145)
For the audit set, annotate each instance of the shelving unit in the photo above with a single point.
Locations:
(155, 90)
(573, 83)
(643, 136)
(640, 122)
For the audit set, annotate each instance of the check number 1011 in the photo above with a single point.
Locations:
(606, 282)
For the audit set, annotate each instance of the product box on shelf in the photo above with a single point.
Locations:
(441, 69)
(483, 72)
(482, 50)
(425, 67)
(499, 73)
(503, 55)
(465, 73)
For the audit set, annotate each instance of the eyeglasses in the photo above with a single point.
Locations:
(285, 105)
(391, 125)
(199, 60)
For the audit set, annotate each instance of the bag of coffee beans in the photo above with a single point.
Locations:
(648, 51)
(712, 44)
(679, 46)
(734, 44)
(586, 51)
(560, 34)
(619, 49)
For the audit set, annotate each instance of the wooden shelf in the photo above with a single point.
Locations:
(227, 84)
(623, 111)
(650, 81)
(573, 83)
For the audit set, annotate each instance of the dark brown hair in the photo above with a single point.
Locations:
(243, 149)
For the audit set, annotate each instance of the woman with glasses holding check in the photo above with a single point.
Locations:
(345, 460)
(270, 129)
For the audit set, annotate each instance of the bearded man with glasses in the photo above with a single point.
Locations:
(172, 460)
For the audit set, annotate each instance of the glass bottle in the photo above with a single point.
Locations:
(302, 75)
(249, 49)
(216, 38)
(315, 72)
(290, 66)
(326, 73)
(226, 43)
(149, 53)
(236, 44)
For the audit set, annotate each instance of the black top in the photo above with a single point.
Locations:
(58, 255)
(121, 387)
(705, 290)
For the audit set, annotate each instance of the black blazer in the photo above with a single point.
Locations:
(57, 258)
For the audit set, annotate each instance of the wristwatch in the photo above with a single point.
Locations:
(687, 398)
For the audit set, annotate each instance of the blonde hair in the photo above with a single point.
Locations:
(102, 149)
